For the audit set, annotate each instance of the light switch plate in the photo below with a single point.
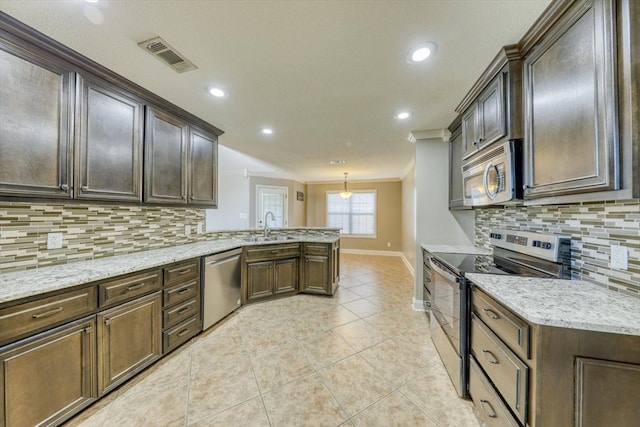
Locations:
(199, 228)
(187, 230)
(54, 240)
(619, 257)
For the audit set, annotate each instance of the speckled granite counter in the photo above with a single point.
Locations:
(23, 284)
(573, 304)
(456, 249)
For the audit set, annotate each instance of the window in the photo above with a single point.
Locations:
(355, 216)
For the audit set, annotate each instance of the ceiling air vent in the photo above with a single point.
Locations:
(164, 52)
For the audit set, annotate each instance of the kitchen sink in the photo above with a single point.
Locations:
(256, 239)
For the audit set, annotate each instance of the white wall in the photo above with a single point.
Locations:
(233, 204)
(434, 222)
(409, 216)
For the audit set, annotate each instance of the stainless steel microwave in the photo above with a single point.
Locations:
(494, 176)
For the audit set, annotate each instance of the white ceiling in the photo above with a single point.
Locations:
(328, 76)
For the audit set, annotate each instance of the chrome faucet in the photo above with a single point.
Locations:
(266, 222)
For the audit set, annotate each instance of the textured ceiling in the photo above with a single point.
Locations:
(328, 76)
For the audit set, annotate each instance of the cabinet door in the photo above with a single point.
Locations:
(109, 149)
(571, 138)
(456, 151)
(36, 125)
(165, 158)
(316, 274)
(491, 113)
(285, 277)
(259, 279)
(129, 339)
(46, 379)
(470, 131)
(203, 181)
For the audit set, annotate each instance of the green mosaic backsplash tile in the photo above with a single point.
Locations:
(89, 231)
(97, 231)
(593, 227)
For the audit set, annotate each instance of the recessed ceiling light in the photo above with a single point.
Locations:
(217, 92)
(403, 115)
(267, 131)
(337, 162)
(421, 52)
(91, 1)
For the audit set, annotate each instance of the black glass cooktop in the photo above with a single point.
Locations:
(464, 263)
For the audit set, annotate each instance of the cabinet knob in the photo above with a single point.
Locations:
(64, 187)
(84, 188)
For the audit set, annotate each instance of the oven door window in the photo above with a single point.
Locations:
(445, 306)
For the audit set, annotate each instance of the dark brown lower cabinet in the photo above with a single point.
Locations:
(267, 278)
(321, 268)
(129, 339)
(48, 377)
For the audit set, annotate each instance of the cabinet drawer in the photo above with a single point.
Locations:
(181, 292)
(180, 333)
(509, 327)
(507, 372)
(174, 315)
(129, 287)
(488, 403)
(316, 250)
(182, 272)
(32, 316)
(272, 251)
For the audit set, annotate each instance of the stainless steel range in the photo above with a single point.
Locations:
(515, 253)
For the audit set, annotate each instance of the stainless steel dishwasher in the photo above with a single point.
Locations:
(221, 293)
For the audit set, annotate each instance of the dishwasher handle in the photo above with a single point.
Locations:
(222, 257)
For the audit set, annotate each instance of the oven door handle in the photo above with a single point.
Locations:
(450, 277)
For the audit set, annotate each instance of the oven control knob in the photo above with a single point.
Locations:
(536, 243)
(547, 245)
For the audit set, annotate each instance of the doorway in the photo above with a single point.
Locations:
(273, 199)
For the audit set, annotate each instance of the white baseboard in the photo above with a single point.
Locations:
(367, 252)
(408, 264)
(418, 305)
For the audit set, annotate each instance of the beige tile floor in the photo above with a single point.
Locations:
(361, 358)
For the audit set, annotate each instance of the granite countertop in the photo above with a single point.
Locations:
(23, 284)
(573, 304)
(457, 249)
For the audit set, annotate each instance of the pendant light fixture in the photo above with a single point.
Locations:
(345, 194)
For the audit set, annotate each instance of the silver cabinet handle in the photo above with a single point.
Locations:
(492, 314)
(47, 313)
(183, 332)
(134, 287)
(183, 291)
(184, 271)
(490, 357)
(182, 310)
(490, 413)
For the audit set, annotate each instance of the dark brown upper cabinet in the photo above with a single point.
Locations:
(203, 173)
(571, 126)
(492, 110)
(166, 144)
(110, 126)
(73, 129)
(36, 125)
(456, 151)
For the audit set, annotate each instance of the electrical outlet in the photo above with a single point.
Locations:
(199, 228)
(54, 240)
(187, 230)
(619, 257)
(388, 244)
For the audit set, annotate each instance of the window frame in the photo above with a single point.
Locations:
(375, 214)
